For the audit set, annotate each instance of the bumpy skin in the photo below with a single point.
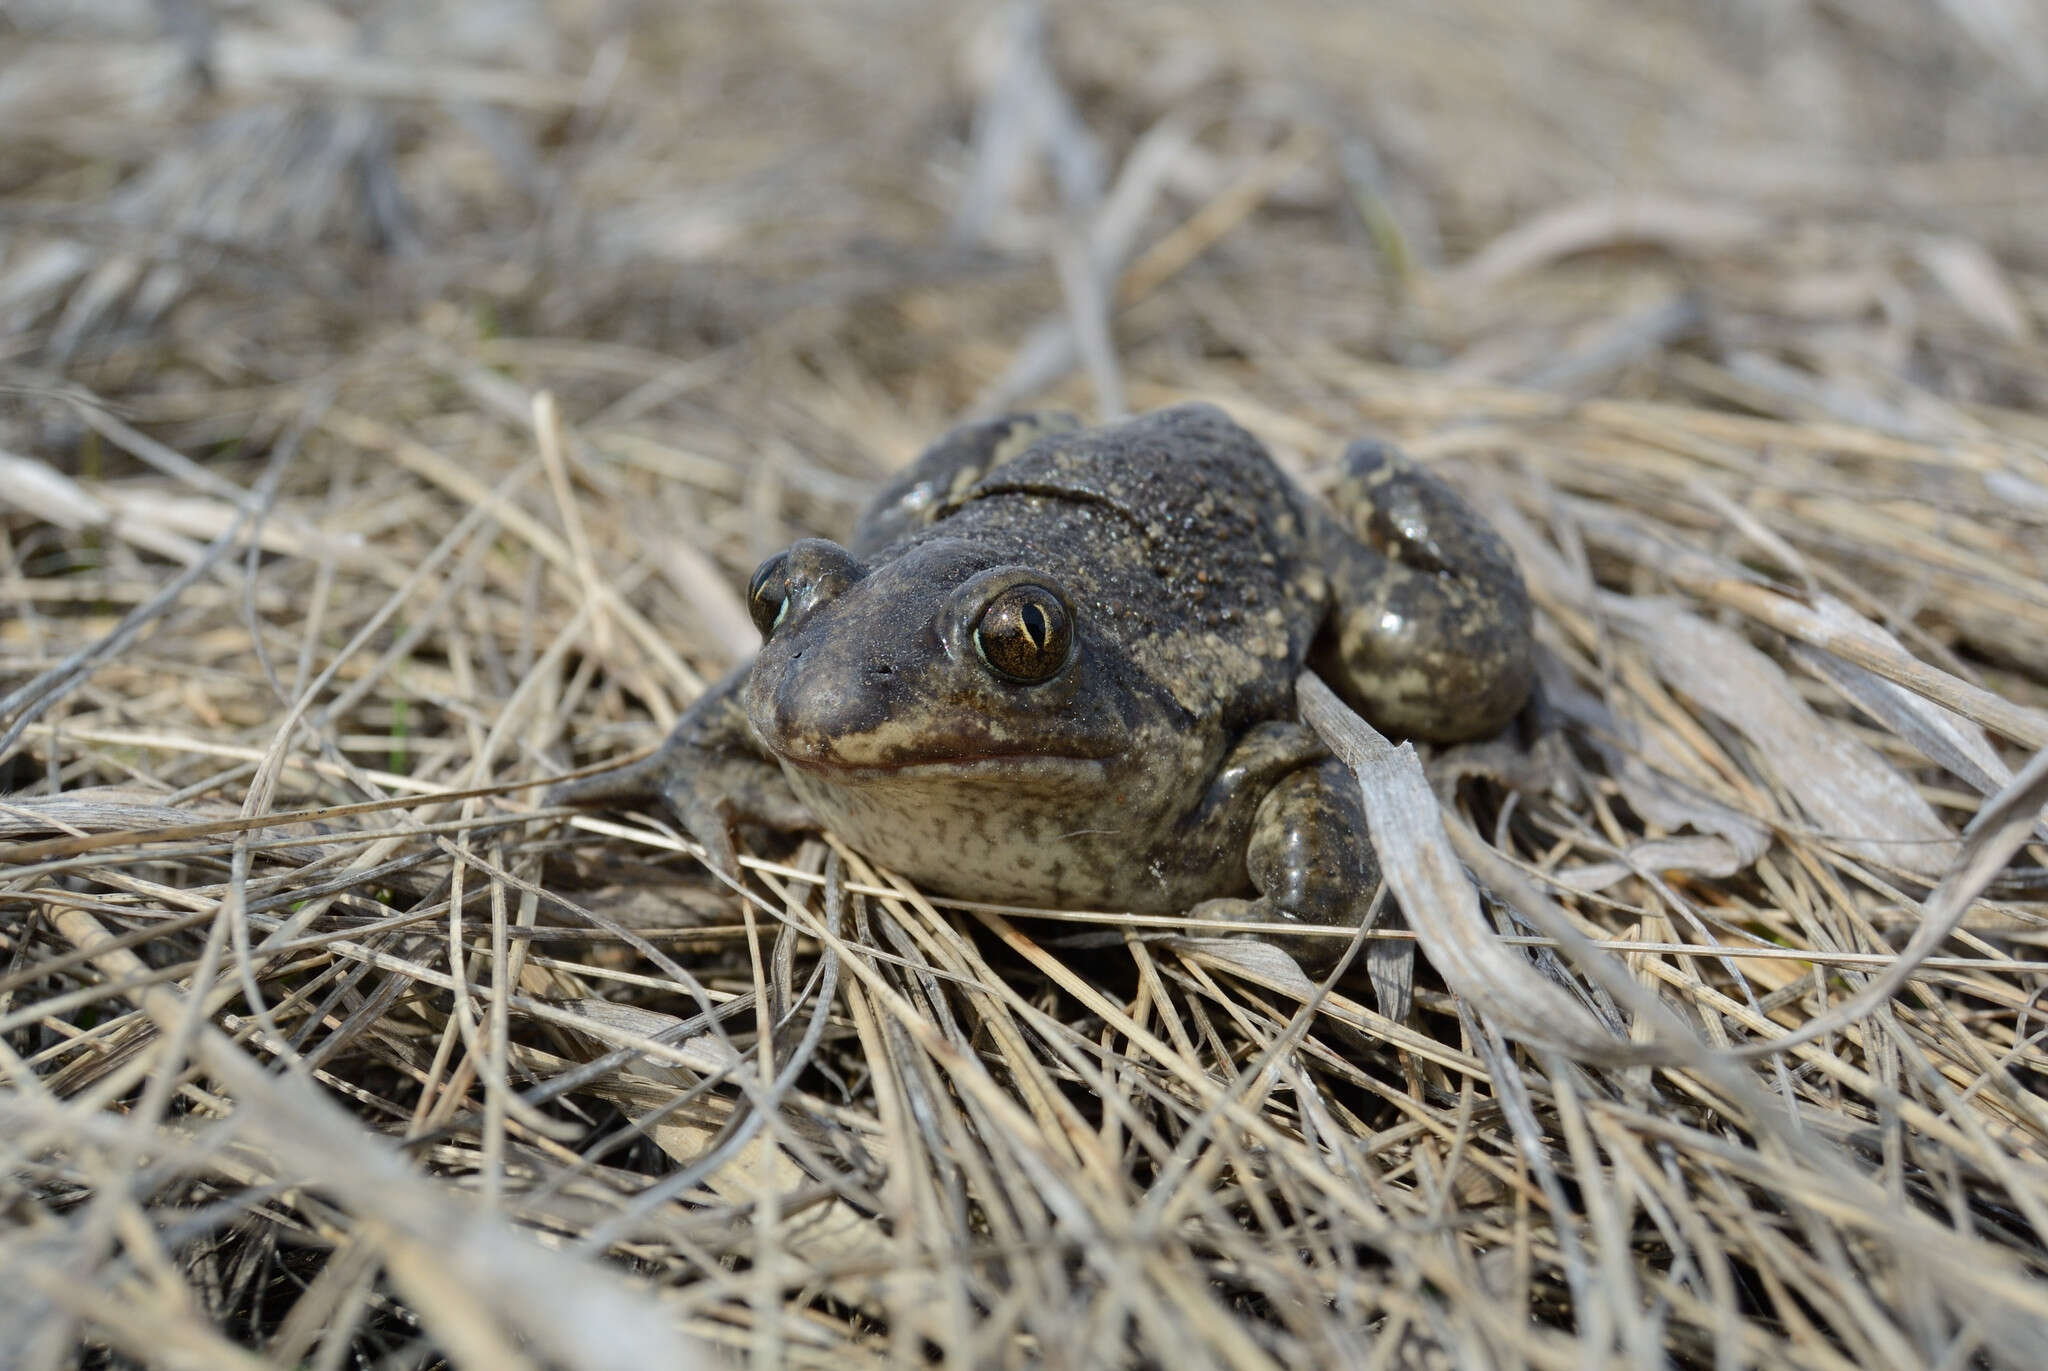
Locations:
(1161, 765)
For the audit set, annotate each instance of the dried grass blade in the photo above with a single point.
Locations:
(1824, 624)
(1863, 803)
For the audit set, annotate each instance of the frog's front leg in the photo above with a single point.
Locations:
(710, 772)
(1311, 861)
(1430, 632)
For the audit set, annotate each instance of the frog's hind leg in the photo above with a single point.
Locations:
(1311, 861)
(945, 472)
(1429, 635)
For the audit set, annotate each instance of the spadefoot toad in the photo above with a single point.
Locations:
(1055, 666)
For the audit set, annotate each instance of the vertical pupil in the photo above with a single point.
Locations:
(1035, 625)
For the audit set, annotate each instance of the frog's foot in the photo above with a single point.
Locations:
(716, 795)
(1311, 861)
(620, 784)
(1389, 962)
(708, 795)
(709, 774)
(1316, 952)
(1430, 636)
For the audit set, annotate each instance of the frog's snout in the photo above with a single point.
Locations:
(820, 699)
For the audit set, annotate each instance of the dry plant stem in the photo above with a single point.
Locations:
(2017, 1321)
(450, 476)
(52, 850)
(746, 1121)
(1997, 832)
(1527, 1007)
(1215, 220)
(22, 706)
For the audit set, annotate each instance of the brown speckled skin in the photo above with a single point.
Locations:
(1163, 765)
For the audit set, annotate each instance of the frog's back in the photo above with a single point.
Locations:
(1174, 534)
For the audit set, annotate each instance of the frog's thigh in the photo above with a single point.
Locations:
(1310, 858)
(946, 470)
(1431, 621)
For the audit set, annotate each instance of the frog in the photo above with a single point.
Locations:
(1054, 667)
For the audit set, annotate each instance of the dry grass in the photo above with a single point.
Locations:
(390, 406)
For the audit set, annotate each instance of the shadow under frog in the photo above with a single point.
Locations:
(1056, 666)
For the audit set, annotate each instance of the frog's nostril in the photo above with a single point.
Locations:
(883, 669)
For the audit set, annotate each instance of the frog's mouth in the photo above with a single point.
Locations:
(1018, 762)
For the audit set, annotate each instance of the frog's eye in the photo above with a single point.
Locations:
(1025, 634)
(768, 593)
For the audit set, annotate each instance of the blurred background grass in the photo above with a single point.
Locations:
(254, 190)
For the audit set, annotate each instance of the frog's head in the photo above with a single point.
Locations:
(944, 661)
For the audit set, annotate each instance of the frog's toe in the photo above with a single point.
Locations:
(705, 816)
(712, 804)
(636, 781)
(1227, 909)
(1317, 953)
(708, 819)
